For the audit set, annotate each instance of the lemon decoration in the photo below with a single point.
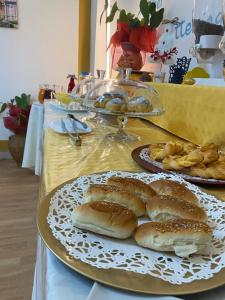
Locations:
(197, 72)
(188, 81)
(63, 98)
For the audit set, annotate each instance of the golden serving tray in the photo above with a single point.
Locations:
(130, 281)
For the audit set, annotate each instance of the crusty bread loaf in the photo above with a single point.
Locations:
(136, 186)
(164, 208)
(107, 218)
(173, 188)
(103, 192)
(116, 104)
(139, 104)
(184, 237)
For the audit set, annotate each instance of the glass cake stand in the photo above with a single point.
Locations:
(123, 98)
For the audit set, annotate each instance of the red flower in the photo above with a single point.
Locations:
(143, 38)
(17, 120)
(121, 35)
(123, 26)
(13, 125)
(14, 111)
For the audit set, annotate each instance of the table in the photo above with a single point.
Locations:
(187, 110)
(61, 162)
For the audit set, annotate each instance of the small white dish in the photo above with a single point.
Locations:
(56, 125)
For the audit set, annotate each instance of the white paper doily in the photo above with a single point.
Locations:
(105, 253)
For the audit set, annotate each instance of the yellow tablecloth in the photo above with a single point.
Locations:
(195, 113)
(63, 161)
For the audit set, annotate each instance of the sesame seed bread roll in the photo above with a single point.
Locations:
(136, 186)
(103, 192)
(106, 218)
(175, 189)
(163, 208)
(184, 237)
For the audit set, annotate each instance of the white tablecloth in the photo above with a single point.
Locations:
(55, 281)
(32, 157)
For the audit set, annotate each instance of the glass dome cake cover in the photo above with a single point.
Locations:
(123, 96)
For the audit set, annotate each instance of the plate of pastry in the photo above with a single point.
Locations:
(204, 165)
(124, 97)
(149, 233)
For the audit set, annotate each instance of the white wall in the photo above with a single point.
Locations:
(98, 36)
(43, 49)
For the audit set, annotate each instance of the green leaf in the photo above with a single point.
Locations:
(123, 16)
(156, 18)
(151, 7)
(3, 107)
(144, 8)
(104, 10)
(130, 17)
(114, 9)
(23, 101)
(135, 23)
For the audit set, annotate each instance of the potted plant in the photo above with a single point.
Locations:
(135, 35)
(16, 120)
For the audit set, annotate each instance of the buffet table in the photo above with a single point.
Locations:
(63, 161)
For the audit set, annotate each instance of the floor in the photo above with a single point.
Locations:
(18, 201)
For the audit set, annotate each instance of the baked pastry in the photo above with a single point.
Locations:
(214, 170)
(172, 148)
(189, 147)
(209, 155)
(116, 104)
(161, 151)
(199, 170)
(156, 151)
(139, 105)
(107, 218)
(221, 157)
(191, 159)
(171, 163)
(205, 161)
(179, 162)
(173, 188)
(100, 192)
(106, 97)
(209, 146)
(184, 237)
(136, 186)
(102, 100)
(163, 208)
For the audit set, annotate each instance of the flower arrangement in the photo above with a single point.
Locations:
(141, 32)
(157, 56)
(135, 34)
(18, 114)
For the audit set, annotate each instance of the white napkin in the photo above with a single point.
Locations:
(101, 292)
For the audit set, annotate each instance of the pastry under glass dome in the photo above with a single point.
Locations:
(124, 98)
